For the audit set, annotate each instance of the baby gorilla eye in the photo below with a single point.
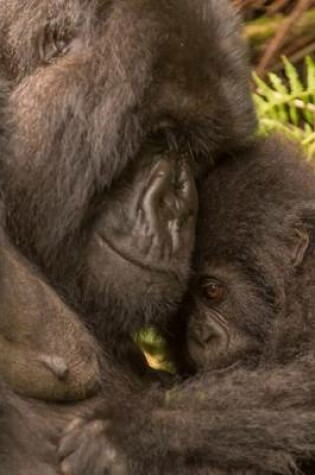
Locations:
(213, 289)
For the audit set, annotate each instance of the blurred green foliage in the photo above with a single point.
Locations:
(287, 104)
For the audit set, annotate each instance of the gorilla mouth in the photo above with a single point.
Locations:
(103, 241)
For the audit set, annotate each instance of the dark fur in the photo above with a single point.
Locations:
(129, 76)
(257, 414)
(94, 90)
(80, 119)
(45, 351)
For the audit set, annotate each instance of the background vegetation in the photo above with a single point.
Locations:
(281, 37)
(278, 27)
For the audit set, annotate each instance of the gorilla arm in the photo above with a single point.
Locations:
(263, 420)
(258, 414)
(45, 351)
(235, 418)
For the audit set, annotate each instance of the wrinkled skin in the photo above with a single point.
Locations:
(250, 327)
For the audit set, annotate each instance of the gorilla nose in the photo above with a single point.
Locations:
(204, 333)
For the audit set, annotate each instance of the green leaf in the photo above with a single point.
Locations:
(278, 84)
(288, 109)
(264, 89)
(310, 74)
(294, 115)
(260, 104)
(296, 85)
(282, 113)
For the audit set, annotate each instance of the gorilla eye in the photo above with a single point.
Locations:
(52, 43)
(213, 290)
(158, 142)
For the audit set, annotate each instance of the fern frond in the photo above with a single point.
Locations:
(288, 104)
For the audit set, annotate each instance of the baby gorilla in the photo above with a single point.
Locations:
(45, 350)
(251, 320)
(252, 292)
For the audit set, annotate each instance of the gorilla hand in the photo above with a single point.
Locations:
(142, 240)
(85, 449)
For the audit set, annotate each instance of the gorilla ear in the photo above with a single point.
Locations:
(299, 246)
(302, 226)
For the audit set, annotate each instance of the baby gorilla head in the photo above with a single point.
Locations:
(225, 298)
(254, 264)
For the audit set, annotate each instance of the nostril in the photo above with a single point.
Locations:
(204, 334)
(207, 334)
(210, 338)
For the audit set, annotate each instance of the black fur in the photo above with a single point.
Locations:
(93, 87)
(95, 90)
(45, 350)
(253, 410)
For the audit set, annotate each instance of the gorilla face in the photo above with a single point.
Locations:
(90, 84)
(141, 240)
(224, 301)
(253, 259)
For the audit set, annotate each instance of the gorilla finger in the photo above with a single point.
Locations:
(74, 424)
(75, 463)
(66, 469)
(96, 460)
(161, 180)
(175, 235)
(119, 469)
(188, 189)
(71, 467)
(69, 443)
(67, 447)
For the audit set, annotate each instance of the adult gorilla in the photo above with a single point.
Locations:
(105, 95)
(94, 86)
(111, 105)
